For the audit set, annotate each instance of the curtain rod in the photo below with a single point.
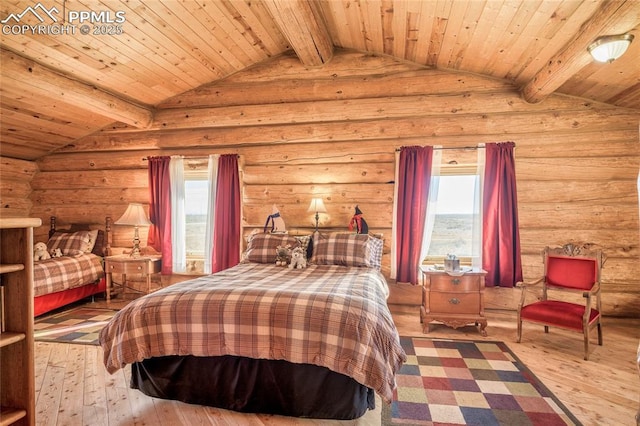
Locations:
(187, 157)
(451, 147)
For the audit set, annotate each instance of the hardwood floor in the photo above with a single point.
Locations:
(73, 388)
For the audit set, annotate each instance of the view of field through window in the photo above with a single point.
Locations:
(196, 199)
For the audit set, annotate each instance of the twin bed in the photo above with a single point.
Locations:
(78, 274)
(314, 342)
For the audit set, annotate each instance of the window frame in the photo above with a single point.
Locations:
(194, 171)
(454, 169)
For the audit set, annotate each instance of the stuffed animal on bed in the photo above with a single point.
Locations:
(359, 223)
(56, 253)
(283, 254)
(277, 222)
(40, 251)
(298, 259)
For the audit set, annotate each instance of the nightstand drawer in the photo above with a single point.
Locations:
(127, 267)
(464, 283)
(454, 303)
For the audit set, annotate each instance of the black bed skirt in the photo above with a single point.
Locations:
(254, 386)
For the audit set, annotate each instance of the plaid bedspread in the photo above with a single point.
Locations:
(63, 273)
(331, 316)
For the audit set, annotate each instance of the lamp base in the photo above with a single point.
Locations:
(135, 251)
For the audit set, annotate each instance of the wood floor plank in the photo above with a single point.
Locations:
(71, 401)
(94, 415)
(603, 390)
(118, 407)
(48, 399)
(95, 394)
(168, 411)
(41, 359)
(143, 410)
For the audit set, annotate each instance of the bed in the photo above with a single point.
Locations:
(77, 274)
(314, 342)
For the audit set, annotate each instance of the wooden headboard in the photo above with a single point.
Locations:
(105, 236)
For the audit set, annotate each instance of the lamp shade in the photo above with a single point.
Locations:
(134, 216)
(317, 206)
(610, 48)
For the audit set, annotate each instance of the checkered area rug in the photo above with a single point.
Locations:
(77, 325)
(453, 382)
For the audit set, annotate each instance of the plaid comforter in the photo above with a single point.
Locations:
(331, 316)
(63, 273)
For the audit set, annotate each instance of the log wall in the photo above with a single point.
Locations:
(15, 186)
(332, 132)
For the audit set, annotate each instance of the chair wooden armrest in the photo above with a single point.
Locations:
(522, 284)
(593, 292)
(527, 286)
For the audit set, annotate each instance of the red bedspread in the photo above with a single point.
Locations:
(63, 273)
(332, 316)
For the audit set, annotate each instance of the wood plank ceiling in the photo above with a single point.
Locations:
(58, 84)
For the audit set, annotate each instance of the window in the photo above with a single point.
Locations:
(190, 215)
(454, 222)
(196, 188)
(454, 217)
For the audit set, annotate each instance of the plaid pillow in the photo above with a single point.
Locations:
(262, 247)
(375, 247)
(71, 243)
(304, 242)
(340, 249)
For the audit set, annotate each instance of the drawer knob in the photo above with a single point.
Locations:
(456, 281)
(454, 301)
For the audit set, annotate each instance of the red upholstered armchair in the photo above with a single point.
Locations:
(572, 277)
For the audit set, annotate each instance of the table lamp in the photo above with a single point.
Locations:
(134, 216)
(317, 206)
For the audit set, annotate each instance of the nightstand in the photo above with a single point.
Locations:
(125, 264)
(455, 299)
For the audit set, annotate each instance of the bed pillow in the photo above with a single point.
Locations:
(93, 235)
(375, 248)
(71, 243)
(98, 247)
(262, 247)
(344, 249)
(304, 241)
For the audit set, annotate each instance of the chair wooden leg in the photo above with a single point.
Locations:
(519, 331)
(600, 333)
(586, 345)
(546, 328)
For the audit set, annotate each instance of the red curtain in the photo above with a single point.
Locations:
(500, 232)
(226, 230)
(160, 210)
(414, 176)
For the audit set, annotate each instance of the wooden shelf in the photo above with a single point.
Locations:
(9, 415)
(17, 370)
(8, 338)
(14, 267)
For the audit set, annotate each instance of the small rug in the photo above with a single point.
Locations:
(77, 325)
(454, 382)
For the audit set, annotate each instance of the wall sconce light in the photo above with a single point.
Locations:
(317, 206)
(610, 48)
(134, 216)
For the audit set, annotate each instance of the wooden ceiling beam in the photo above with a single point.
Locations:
(74, 92)
(575, 56)
(304, 29)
